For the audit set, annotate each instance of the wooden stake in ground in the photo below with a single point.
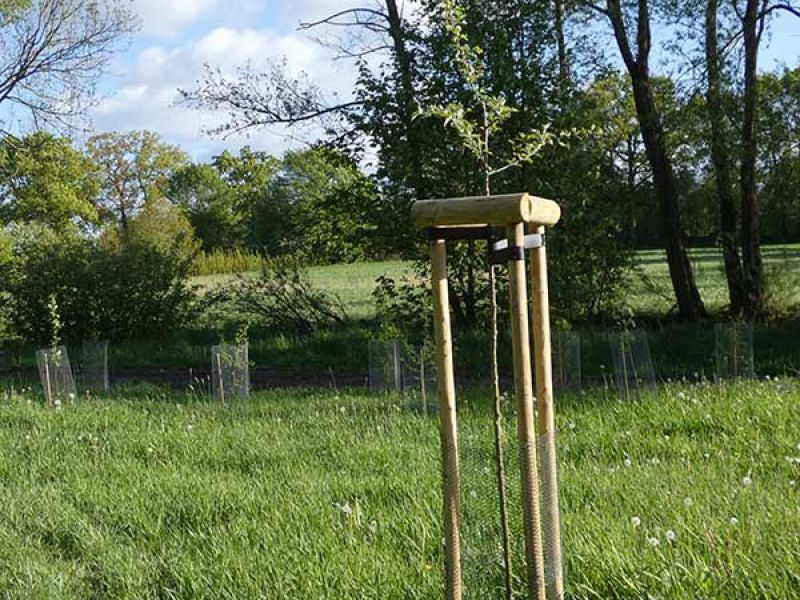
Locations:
(540, 309)
(220, 382)
(422, 390)
(48, 386)
(523, 383)
(447, 416)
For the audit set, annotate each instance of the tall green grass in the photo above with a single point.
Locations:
(689, 493)
(220, 262)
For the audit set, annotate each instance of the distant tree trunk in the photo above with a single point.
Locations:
(406, 98)
(720, 160)
(561, 44)
(755, 300)
(690, 305)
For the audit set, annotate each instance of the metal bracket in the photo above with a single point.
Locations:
(500, 252)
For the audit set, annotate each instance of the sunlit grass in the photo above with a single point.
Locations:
(303, 494)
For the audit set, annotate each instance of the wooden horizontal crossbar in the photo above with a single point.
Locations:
(498, 210)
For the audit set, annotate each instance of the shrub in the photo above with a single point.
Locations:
(111, 288)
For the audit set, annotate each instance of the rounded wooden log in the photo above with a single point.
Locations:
(551, 521)
(447, 416)
(500, 210)
(523, 384)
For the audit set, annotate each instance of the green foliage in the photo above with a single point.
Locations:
(248, 175)
(44, 178)
(331, 204)
(159, 226)
(136, 167)
(113, 289)
(206, 198)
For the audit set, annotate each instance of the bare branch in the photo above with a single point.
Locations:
(357, 19)
(257, 99)
(54, 51)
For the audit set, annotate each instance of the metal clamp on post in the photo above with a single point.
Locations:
(500, 252)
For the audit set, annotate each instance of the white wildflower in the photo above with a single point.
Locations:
(150, 450)
(636, 521)
(681, 395)
(627, 462)
(653, 541)
(746, 481)
(571, 425)
(670, 535)
(734, 521)
(473, 494)
(688, 501)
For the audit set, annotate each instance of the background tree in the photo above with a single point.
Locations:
(54, 52)
(331, 206)
(248, 176)
(636, 57)
(201, 192)
(44, 178)
(136, 167)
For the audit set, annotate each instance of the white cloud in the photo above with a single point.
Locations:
(168, 17)
(145, 95)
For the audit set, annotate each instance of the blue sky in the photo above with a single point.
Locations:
(179, 36)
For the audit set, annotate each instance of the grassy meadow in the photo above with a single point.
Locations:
(650, 288)
(690, 492)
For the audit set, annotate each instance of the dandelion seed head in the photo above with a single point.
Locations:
(734, 521)
(653, 541)
(571, 425)
(627, 462)
(636, 521)
(688, 501)
(670, 535)
(746, 481)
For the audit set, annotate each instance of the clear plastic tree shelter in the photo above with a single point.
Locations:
(478, 218)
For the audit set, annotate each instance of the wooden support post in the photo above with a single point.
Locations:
(540, 308)
(447, 416)
(220, 380)
(523, 383)
(48, 388)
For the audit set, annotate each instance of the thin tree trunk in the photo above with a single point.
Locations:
(407, 97)
(561, 44)
(720, 160)
(751, 242)
(690, 305)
